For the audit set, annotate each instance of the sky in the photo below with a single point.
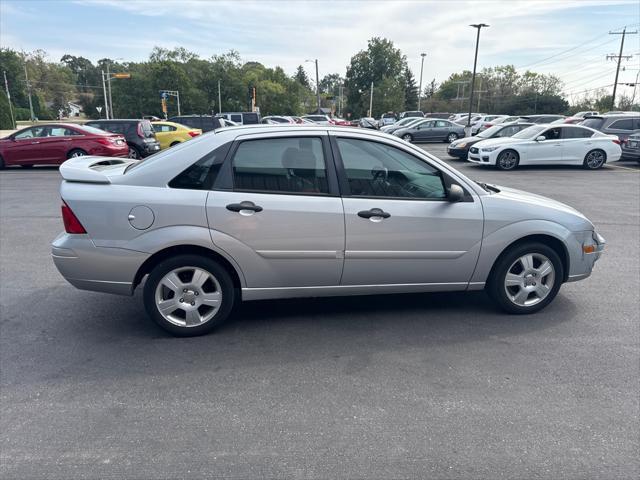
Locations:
(568, 38)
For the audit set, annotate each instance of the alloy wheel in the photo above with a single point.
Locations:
(133, 153)
(507, 160)
(406, 138)
(595, 159)
(188, 296)
(529, 279)
(452, 137)
(78, 153)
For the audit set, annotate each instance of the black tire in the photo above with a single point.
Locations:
(134, 153)
(220, 274)
(28, 165)
(452, 137)
(76, 152)
(508, 160)
(407, 137)
(594, 159)
(496, 283)
(174, 144)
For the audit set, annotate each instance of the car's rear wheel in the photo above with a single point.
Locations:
(174, 144)
(134, 153)
(452, 137)
(189, 295)
(594, 160)
(76, 152)
(507, 160)
(526, 278)
(407, 137)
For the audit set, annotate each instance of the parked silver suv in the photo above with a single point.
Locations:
(272, 212)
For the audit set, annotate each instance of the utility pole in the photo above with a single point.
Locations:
(420, 89)
(6, 88)
(109, 85)
(619, 57)
(371, 102)
(104, 91)
(26, 79)
(478, 27)
(219, 99)
(318, 86)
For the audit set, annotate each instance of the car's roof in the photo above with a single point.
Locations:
(118, 120)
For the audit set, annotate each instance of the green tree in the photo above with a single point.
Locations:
(301, 77)
(410, 90)
(5, 115)
(382, 64)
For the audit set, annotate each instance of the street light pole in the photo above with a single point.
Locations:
(318, 86)
(420, 89)
(219, 99)
(109, 85)
(371, 102)
(478, 27)
(104, 91)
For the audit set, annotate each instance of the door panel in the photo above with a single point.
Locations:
(420, 242)
(292, 232)
(400, 229)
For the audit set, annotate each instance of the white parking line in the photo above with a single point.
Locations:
(624, 168)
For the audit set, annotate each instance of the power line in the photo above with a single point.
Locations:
(574, 48)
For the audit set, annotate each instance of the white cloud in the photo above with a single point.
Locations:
(287, 32)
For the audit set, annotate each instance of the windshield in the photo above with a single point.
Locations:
(490, 132)
(530, 132)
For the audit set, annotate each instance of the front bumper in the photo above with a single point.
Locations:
(482, 158)
(99, 269)
(457, 152)
(590, 246)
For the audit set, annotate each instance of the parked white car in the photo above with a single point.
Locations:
(548, 145)
(318, 119)
(484, 120)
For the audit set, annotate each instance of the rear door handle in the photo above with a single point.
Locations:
(374, 212)
(244, 208)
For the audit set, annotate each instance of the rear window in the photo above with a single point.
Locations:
(114, 127)
(250, 118)
(236, 118)
(595, 123)
(93, 130)
(147, 128)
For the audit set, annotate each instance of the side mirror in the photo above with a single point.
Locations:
(455, 194)
(541, 138)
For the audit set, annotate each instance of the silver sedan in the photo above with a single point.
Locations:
(264, 212)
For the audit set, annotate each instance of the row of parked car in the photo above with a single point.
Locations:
(587, 138)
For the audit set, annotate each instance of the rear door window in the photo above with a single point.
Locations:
(236, 118)
(575, 132)
(625, 124)
(281, 165)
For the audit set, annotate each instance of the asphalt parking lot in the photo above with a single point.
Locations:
(404, 386)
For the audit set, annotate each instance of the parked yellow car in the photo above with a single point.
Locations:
(170, 133)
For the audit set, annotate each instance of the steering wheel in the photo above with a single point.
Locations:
(380, 174)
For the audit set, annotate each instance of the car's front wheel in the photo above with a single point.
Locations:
(452, 137)
(407, 137)
(189, 295)
(526, 278)
(507, 160)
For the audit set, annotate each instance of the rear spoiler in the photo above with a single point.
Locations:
(90, 169)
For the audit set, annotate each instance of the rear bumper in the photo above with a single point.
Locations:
(99, 269)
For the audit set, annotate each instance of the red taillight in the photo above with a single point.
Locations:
(71, 222)
(616, 140)
(103, 140)
(193, 133)
(488, 125)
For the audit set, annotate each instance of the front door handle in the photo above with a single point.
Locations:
(245, 208)
(374, 212)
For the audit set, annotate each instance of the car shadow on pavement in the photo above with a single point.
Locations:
(85, 334)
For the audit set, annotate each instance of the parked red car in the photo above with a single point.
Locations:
(52, 144)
